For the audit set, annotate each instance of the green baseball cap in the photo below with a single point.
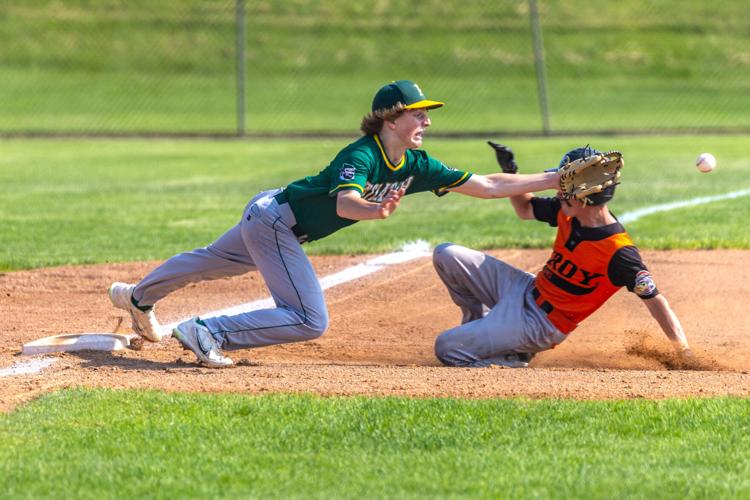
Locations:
(404, 91)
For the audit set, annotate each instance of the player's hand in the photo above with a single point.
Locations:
(681, 347)
(505, 158)
(390, 203)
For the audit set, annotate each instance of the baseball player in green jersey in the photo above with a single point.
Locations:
(366, 180)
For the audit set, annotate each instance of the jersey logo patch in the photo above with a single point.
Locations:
(644, 284)
(346, 172)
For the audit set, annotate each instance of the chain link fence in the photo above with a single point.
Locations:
(292, 67)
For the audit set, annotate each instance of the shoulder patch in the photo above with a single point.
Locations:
(644, 284)
(347, 172)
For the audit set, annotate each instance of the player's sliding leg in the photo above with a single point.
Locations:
(227, 256)
(301, 313)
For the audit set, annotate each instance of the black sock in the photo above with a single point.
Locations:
(142, 308)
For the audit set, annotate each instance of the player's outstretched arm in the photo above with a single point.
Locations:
(670, 324)
(505, 185)
(350, 205)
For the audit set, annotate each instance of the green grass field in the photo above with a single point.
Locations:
(118, 444)
(106, 201)
(166, 67)
(160, 66)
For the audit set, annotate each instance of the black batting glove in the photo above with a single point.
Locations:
(505, 158)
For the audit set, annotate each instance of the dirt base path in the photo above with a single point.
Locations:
(382, 331)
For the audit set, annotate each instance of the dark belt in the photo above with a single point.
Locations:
(282, 198)
(544, 306)
(557, 318)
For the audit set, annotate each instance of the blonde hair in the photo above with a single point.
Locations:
(372, 123)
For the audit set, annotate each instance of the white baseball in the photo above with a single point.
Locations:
(705, 162)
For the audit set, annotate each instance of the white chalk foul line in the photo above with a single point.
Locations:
(643, 212)
(409, 251)
(27, 367)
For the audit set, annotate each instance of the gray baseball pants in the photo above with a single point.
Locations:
(499, 313)
(264, 241)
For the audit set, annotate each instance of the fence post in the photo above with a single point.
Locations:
(240, 62)
(541, 79)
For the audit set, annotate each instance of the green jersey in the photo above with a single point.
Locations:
(364, 166)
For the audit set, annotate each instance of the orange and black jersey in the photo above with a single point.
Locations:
(587, 266)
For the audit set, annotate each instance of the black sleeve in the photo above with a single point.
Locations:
(546, 209)
(627, 269)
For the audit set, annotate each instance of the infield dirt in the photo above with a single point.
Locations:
(381, 336)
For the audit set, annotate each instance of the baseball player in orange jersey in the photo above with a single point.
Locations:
(509, 315)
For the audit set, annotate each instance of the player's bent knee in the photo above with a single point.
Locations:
(442, 249)
(309, 333)
(443, 253)
(315, 325)
(445, 351)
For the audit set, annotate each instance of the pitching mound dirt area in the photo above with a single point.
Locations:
(381, 337)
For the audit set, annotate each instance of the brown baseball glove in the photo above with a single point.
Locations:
(590, 175)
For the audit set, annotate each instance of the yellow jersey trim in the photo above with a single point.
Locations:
(459, 181)
(385, 156)
(356, 186)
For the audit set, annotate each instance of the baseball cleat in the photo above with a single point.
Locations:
(144, 322)
(196, 337)
(514, 360)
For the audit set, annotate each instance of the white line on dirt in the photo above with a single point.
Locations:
(27, 367)
(409, 251)
(642, 212)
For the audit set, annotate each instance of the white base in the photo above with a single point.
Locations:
(78, 342)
